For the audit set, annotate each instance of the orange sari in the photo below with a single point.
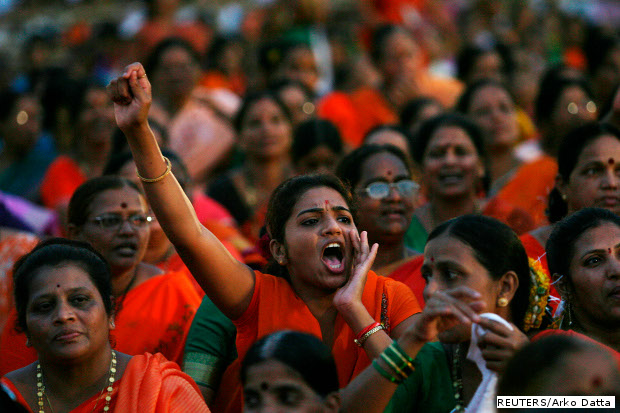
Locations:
(13, 245)
(150, 384)
(275, 306)
(62, 178)
(410, 274)
(155, 317)
(530, 186)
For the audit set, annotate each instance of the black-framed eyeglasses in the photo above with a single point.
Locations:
(381, 190)
(114, 221)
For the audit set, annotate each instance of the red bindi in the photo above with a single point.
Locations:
(432, 259)
(57, 285)
(123, 205)
(609, 250)
(611, 161)
(264, 386)
(389, 173)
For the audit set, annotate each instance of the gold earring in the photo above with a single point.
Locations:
(502, 302)
(563, 197)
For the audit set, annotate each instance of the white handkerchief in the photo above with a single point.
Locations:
(484, 398)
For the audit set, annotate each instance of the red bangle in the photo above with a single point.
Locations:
(366, 330)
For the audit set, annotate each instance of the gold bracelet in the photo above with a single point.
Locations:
(363, 339)
(160, 177)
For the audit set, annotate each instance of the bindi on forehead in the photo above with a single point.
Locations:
(611, 161)
(57, 285)
(389, 172)
(124, 205)
(264, 386)
(432, 259)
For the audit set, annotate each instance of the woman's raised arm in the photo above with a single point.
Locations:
(229, 283)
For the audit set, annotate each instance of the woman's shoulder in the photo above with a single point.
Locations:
(23, 377)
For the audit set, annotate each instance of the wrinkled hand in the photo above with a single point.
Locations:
(445, 310)
(499, 344)
(363, 257)
(131, 94)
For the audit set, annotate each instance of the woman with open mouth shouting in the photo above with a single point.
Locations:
(154, 308)
(326, 287)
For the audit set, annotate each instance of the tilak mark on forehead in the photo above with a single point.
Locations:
(611, 161)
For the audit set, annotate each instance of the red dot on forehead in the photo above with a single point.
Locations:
(389, 172)
(57, 285)
(123, 205)
(611, 161)
(432, 259)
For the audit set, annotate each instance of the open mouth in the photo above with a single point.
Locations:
(126, 248)
(333, 257)
(451, 178)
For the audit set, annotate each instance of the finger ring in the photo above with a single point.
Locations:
(144, 75)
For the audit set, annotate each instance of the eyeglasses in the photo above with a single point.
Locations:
(381, 190)
(573, 107)
(115, 221)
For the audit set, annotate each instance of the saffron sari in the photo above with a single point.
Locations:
(150, 384)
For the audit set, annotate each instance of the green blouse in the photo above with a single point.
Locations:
(429, 388)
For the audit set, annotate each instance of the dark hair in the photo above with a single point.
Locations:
(379, 37)
(498, 249)
(386, 127)
(428, 128)
(8, 100)
(463, 105)
(251, 98)
(278, 85)
(302, 352)
(218, 47)
(154, 59)
(412, 109)
(313, 133)
(52, 253)
(82, 198)
(349, 169)
(560, 246)
(527, 371)
(568, 154)
(469, 55)
(118, 160)
(287, 194)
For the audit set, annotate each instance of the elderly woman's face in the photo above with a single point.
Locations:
(595, 277)
(272, 386)
(65, 314)
(117, 228)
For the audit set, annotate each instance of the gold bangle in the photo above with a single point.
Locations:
(363, 339)
(160, 177)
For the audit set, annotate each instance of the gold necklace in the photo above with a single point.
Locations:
(41, 388)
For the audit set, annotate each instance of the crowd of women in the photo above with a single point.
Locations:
(321, 230)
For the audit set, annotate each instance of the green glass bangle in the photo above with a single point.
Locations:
(401, 352)
(405, 365)
(397, 369)
(384, 373)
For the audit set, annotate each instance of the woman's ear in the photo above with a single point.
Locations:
(508, 285)
(561, 284)
(333, 402)
(278, 252)
(560, 185)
